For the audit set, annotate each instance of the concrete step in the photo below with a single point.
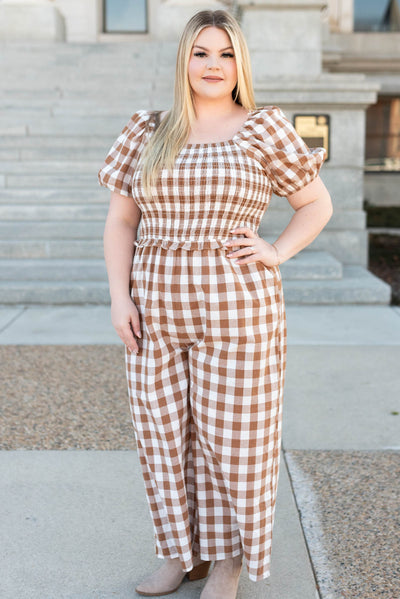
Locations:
(358, 286)
(161, 94)
(75, 106)
(52, 196)
(43, 54)
(25, 113)
(307, 265)
(312, 265)
(278, 218)
(70, 154)
(15, 97)
(11, 153)
(91, 229)
(54, 292)
(18, 149)
(57, 153)
(39, 142)
(75, 77)
(71, 76)
(62, 269)
(53, 248)
(38, 211)
(60, 212)
(51, 230)
(40, 167)
(349, 246)
(58, 122)
(82, 63)
(105, 107)
(63, 180)
(65, 125)
(72, 248)
(334, 242)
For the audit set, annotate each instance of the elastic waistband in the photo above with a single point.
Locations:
(185, 244)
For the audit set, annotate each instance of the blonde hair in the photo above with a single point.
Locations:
(167, 141)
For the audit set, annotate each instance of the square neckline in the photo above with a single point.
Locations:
(225, 142)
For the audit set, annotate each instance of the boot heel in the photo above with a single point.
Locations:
(199, 571)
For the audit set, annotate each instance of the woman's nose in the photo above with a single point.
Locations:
(213, 62)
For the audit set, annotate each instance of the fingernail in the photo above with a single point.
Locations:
(138, 334)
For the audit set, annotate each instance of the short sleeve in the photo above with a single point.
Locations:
(120, 163)
(289, 163)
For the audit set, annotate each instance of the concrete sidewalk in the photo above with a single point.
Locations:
(77, 526)
(77, 522)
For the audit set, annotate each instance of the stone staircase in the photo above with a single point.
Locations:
(62, 105)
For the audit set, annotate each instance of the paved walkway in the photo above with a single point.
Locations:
(76, 522)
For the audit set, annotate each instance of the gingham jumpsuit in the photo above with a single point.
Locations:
(206, 386)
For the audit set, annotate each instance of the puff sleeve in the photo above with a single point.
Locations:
(289, 163)
(120, 163)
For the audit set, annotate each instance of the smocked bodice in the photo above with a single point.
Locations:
(214, 187)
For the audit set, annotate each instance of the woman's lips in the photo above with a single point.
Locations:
(212, 79)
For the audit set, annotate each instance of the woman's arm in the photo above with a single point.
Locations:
(313, 209)
(119, 235)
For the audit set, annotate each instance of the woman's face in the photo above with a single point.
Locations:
(212, 65)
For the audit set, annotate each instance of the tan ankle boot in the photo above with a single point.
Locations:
(169, 577)
(223, 581)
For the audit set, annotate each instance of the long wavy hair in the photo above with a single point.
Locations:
(169, 138)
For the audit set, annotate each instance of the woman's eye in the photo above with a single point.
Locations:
(226, 54)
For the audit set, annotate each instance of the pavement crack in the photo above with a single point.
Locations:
(13, 319)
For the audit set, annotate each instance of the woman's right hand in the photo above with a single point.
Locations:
(125, 320)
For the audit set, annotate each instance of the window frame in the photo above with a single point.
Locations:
(377, 26)
(379, 167)
(124, 31)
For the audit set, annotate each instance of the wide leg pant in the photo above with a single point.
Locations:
(205, 395)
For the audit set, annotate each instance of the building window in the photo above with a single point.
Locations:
(125, 16)
(376, 15)
(383, 135)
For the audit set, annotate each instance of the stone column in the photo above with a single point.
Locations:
(284, 39)
(30, 20)
(341, 15)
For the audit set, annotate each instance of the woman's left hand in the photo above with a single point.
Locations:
(256, 250)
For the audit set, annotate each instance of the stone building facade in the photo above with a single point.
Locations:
(77, 69)
(349, 44)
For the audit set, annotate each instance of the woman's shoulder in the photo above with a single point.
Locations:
(143, 120)
(269, 124)
(138, 120)
(268, 115)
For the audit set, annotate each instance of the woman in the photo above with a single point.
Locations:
(204, 327)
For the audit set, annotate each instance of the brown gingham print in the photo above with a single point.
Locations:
(206, 387)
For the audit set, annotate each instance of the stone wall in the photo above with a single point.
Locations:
(82, 21)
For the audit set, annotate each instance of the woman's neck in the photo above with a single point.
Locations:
(215, 110)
